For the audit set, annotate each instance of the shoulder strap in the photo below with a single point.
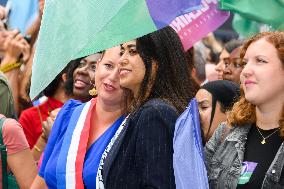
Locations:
(1, 125)
(39, 114)
(3, 157)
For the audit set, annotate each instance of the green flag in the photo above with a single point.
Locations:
(246, 27)
(252, 15)
(75, 28)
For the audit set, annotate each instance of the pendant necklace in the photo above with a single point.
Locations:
(264, 138)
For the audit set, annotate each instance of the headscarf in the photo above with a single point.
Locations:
(225, 92)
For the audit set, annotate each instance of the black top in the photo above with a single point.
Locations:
(143, 157)
(262, 154)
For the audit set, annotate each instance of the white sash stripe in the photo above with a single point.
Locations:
(73, 150)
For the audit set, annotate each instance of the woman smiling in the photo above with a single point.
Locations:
(153, 70)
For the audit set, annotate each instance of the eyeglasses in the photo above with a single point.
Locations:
(236, 62)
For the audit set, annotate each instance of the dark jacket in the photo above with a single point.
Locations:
(142, 156)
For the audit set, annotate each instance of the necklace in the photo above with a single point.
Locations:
(264, 138)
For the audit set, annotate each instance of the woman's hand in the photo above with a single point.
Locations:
(47, 125)
(46, 128)
(15, 45)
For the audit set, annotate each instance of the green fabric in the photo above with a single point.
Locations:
(73, 29)
(3, 156)
(245, 27)
(6, 98)
(252, 15)
(12, 182)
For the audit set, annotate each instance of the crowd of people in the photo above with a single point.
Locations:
(107, 121)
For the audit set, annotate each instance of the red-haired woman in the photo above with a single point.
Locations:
(251, 154)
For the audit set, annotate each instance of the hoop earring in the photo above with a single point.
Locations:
(93, 91)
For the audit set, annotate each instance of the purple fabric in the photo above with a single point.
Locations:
(164, 11)
(193, 26)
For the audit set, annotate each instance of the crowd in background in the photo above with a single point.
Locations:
(116, 111)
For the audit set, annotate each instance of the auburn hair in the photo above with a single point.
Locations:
(243, 112)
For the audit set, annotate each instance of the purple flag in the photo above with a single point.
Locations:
(163, 12)
(105, 27)
(197, 24)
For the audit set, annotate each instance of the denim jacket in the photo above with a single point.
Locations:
(224, 155)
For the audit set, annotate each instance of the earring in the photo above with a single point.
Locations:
(93, 91)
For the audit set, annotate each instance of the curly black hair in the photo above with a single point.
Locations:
(172, 81)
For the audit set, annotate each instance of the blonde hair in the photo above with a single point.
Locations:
(243, 112)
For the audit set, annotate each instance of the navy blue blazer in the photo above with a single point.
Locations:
(142, 156)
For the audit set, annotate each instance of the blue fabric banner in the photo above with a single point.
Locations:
(188, 160)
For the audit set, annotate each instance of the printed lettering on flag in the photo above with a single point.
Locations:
(197, 24)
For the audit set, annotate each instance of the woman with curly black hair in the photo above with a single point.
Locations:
(154, 72)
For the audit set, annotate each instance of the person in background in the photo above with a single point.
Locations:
(233, 66)
(15, 51)
(86, 62)
(141, 154)
(33, 30)
(32, 118)
(214, 46)
(78, 82)
(214, 99)
(248, 150)
(25, 80)
(190, 54)
(198, 72)
(86, 128)
(77, 86)
(207, 55)
(210, 72)
(225, 53)
(19, 158)
(6, 98)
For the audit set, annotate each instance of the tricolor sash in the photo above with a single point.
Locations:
(69, 170)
